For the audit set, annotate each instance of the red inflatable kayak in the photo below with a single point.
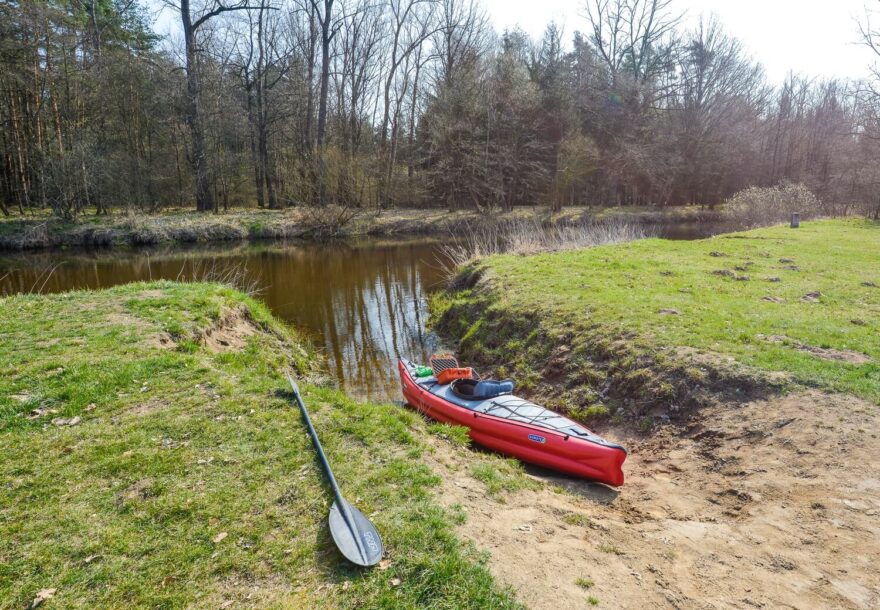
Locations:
(517, 427)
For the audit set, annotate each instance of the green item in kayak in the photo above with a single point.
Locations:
(424, 371)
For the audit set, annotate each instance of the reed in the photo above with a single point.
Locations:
(530, 236)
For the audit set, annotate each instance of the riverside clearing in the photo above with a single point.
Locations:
(150, 455)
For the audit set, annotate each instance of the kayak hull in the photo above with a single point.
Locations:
(528, 442)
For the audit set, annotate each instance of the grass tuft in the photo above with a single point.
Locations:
(578, 519)
(502, 475)
(457, 435)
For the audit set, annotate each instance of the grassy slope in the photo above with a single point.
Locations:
(615, 292)
(183, 444)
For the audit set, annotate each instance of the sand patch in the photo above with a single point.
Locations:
(765, 504)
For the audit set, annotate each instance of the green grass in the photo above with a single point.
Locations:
(578, 519)
(501, 475)
(612, 299)
(457, 435)
(584, 583)
(189, 480)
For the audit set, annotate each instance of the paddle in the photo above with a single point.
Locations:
(354, 535)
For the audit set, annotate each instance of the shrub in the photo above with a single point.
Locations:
(328, 220)
(770, 205)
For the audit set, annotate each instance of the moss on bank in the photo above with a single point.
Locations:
(150, 457)
(647, 328)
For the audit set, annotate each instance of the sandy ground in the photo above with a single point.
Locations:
(769, 504)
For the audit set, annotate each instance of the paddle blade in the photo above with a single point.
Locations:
(358, 541)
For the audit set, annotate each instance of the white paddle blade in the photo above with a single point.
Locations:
(359, 542)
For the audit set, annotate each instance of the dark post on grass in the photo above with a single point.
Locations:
(795, 220)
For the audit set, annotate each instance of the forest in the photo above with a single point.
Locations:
(407, 103)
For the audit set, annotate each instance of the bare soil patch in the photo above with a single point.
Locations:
(231, 332)
(139, 490)
(152, 293)
(837, 354)
(147, 408)
(768, 504)
(820, 352)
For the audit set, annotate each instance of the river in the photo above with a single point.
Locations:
(363, 302)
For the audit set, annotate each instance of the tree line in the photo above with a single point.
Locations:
(383, 103)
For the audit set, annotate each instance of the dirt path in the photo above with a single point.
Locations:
(771, 504)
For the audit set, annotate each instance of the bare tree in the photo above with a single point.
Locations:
(191, 24)
(631, 35)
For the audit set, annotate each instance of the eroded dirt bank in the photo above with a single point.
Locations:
(769, 504)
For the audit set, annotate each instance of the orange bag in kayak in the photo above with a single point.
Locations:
(449, 375)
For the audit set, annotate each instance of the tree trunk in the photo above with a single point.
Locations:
(410, 161)
(310, 97)
(255, 154)
(204, 197)
(326, 37)
(263, 112)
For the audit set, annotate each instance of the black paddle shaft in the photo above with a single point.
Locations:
(355, 537)
(315, 441)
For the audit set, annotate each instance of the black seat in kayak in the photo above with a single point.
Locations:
(471, 389)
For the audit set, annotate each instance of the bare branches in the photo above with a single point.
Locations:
(632, 35)
(219, 8)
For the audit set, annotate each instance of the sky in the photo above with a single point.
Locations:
(816, 38)
(810, 37)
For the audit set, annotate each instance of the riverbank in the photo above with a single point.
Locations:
(741, 373)
(150, 456)
(648, 328)
(187, 227)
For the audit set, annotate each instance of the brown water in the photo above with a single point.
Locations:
(363, 303)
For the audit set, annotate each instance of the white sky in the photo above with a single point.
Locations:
(810, 37)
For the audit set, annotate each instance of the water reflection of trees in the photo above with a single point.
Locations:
(363, 304)
(366, 304)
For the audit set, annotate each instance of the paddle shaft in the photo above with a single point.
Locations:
(341, 503)
(316, 442)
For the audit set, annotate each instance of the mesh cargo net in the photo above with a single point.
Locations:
(441, 362)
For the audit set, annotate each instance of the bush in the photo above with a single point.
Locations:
(328, 220)
(756, 206)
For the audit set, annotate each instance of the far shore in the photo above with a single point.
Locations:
(185, 226)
